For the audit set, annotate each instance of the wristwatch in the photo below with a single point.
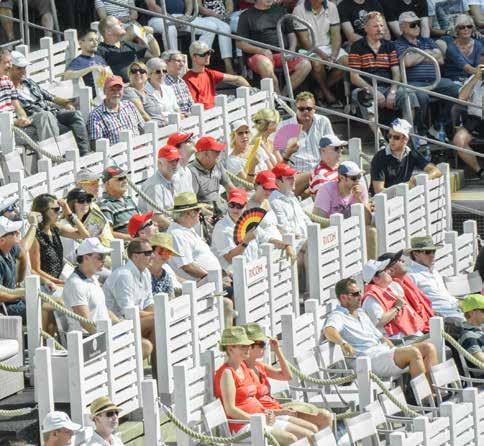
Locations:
(244, 244)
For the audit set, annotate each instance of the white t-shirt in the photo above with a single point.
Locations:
(84, 291)
(97, 440)
(236, 164)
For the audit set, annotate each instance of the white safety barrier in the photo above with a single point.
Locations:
(390, 223)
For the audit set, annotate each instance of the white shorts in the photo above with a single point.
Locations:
(281, 423)
(328, 50)
(383, 364)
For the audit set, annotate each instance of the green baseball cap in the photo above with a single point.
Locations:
(255, 332)
(472, 302)
(235, 336)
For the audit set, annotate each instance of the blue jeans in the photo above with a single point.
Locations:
(17, 309)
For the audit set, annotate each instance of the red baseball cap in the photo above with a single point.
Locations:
(169, 152)
(136, 221)
(206, 143)
(112, 81)
(178, 138)
(283, 170)
(238, 196)
(266, 179)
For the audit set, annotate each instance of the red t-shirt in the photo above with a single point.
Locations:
(202, 85)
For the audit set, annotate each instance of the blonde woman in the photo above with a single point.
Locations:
(266, 122)
(235, 385)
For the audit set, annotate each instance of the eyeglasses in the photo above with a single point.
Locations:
(86, 200)
(146, 253)
(204, 54)
(354, 177)
(261, 344)
(160, 71)
(395, 137)
(111, 413)
(137, 71)
(56, 210)
(355, 293)
(236, 206)
(414, 24)
(146, 225)
(121, 179)
(305, 109)
(465, 27)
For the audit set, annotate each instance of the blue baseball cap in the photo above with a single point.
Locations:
(331, 141)
(349, 168)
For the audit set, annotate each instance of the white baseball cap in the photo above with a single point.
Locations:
(92, 245)
(7, 226)
(57, 420)
(7, 202)
(234, 126)
(349, 168)
(402, 126)
(19, 60)
(372, 267)
(331, 141)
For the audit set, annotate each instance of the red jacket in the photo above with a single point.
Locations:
(417, 299)
(407, 320)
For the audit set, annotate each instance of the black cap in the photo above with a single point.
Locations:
(392, 256)
(78, 194)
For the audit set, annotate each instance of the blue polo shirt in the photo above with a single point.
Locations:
(425, 70)
(8, 272)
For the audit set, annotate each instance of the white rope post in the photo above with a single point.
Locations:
(444, 168)
(471, 395)
(44, 388)
(163, 352)
(105, 326)
(221, 101)
(77, 394)
(7, 142)
(182, 403)
(117, 259)
(354, 149)
(151, 412)
(448, 410)
(34, 319)
(132, 313)
(436, 328)
(363, 368)
(267, 85)
(381, 222)
(257, 429)
(470, 227)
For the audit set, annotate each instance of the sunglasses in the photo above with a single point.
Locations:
(354, 177)
(137, 71)
(87, 200)
(146, 253)
(395, 137)
(204, 54)
(111, 413)
(261, 344)
(414, 24)
(56, 210)
(427, 252)
(121, 178)
(355, 293)
(146, 225)
(339, 149)
(11, 208)
(305, 109)
(236, 206)
(465, 27)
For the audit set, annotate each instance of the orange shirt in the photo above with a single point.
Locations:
(264, 388)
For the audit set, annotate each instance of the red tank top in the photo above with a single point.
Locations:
(264, 388)
(245, 392)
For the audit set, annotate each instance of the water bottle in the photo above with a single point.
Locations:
(442, 137)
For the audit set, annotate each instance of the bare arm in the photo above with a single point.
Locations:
(83, 310)
(101, 13)
(237, 80)
(378, 186)
(153, 47)
(479, 356)
(477, 15)
(120, 235)
(425, 27)
(358, 81)
(153, 6)
(335, 35)
(283, 373)
(139, 105)
(332, 335)
(76, 74)
(468, 88)
(194, 270)
(350, 34)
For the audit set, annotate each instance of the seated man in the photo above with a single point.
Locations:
(473, 125)
(430, 282)
(351, 328)
(375, 55)
(394, 8)
(113, 115)
(183, 175)
(87, 62)
(116, 206)
(50, 115)
(330, 150)
(421, 70)
(304, 155)
(175, 68)
(396, 162)
(387, 308)
(472, 335)
(58, 429)
(142, 226)
(259, 23)
(105, 415)
(130, 286)
(201, 81)
(119, 53)
(403, 285)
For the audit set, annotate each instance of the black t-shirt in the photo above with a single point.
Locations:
(261, 25)
(392, 171)
(352, 12)
(8, 271)
(120, 58)
(393, 8)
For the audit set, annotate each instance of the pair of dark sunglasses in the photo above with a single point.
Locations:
(414, 24)
(204, 54)
(56, 210)
(146, 225)
(85, 200)
(11, 208)
(137, 71)
(236, 206)
(354, 177)
(111, 413)
(146, 253)
(261, 344)
(160, 71)
(305, 109)
(465, 27)
(395, 137)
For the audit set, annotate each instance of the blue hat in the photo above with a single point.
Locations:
(349, 168)
(331, 141)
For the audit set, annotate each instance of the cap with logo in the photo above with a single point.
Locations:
(283, 170)
(472, 302)
(113, 81)
(402, 126)
(58, 420)
(19, 60)
(7, 226)
(103, 404)
(332, 141)
(266, 179)
(137, 221)
(349, 168)
(392, 256)
(238, 195)
(169, 153)
(112, 172)
(178, 138)
(199, 47)
(206, 143)
(92, 245)
(408, 17)
(372, 267)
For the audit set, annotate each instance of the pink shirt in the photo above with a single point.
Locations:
(330, 201)
(321, 175)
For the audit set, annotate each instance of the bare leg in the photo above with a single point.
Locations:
(48, 21)
(319, 74)
(228, 312)
(302, 183)
(7, 25)
(283, 438)
(265, 69)
(301, 71)
(462, 139)
(410, 357)
(429, 354)
(303, 423)
(323, 419)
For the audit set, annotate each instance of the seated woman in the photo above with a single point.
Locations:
(302, 411)
(234, 385)
(238, 161)
(266, 122)
(463, 53)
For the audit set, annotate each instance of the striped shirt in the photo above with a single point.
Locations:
(105, 123)
(322, 174)
(7, 94)
(362, 57)
(182, 93)
(423, 71)
(117, 11)
(118, 211)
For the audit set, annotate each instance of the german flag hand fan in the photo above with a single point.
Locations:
(250, 219)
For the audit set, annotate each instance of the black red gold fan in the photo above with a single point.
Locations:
(250, 219)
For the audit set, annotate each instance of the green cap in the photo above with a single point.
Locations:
(255, 332)
(234, 336)
(472, 302)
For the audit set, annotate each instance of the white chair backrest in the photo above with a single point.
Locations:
(390, 223)
(444, 260)
(388, 406)
(60, 177)
(211, 121)
(330, 355)
(190, 124)
(361, 427)
(464, 247)
(253, 102)
(422, 391)
(251, 291)
(377, 414)
(10, 190)
(464, 284)
(302, 442)
(401, 439)
(214, 417)
(325, 437)
(445, 374)
(92, 161)
(29, 187)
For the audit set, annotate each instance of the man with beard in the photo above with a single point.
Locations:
(105, 416)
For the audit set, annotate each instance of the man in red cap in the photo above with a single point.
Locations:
(183, 176)
(223, 244)
(142, 226)
(113, 115)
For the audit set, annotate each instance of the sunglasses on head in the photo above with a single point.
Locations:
(204, 54)
(395, 137)
(111, 413)
(236, 206)
(137, 71)
(145, 253)
(414, 24)
(305, 109)
(465, 27)
(354, 177)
